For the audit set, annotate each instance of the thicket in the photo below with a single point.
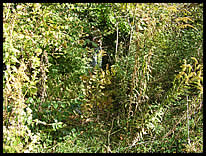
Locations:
(147, 97)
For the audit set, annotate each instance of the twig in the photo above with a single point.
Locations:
(108, 138)
(131, 32)
(179, 122)
(188, 127)
(117, 41)
(7, 12)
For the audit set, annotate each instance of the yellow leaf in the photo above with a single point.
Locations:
(191, 74)
(102, 87)
(172, 8)
(185, 19)
(196, 61)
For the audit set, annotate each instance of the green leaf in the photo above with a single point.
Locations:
(55, 105)
(140, 28)
(63, 105)
(14, 59)
(30, 100)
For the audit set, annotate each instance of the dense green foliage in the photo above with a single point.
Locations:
(147, 97)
